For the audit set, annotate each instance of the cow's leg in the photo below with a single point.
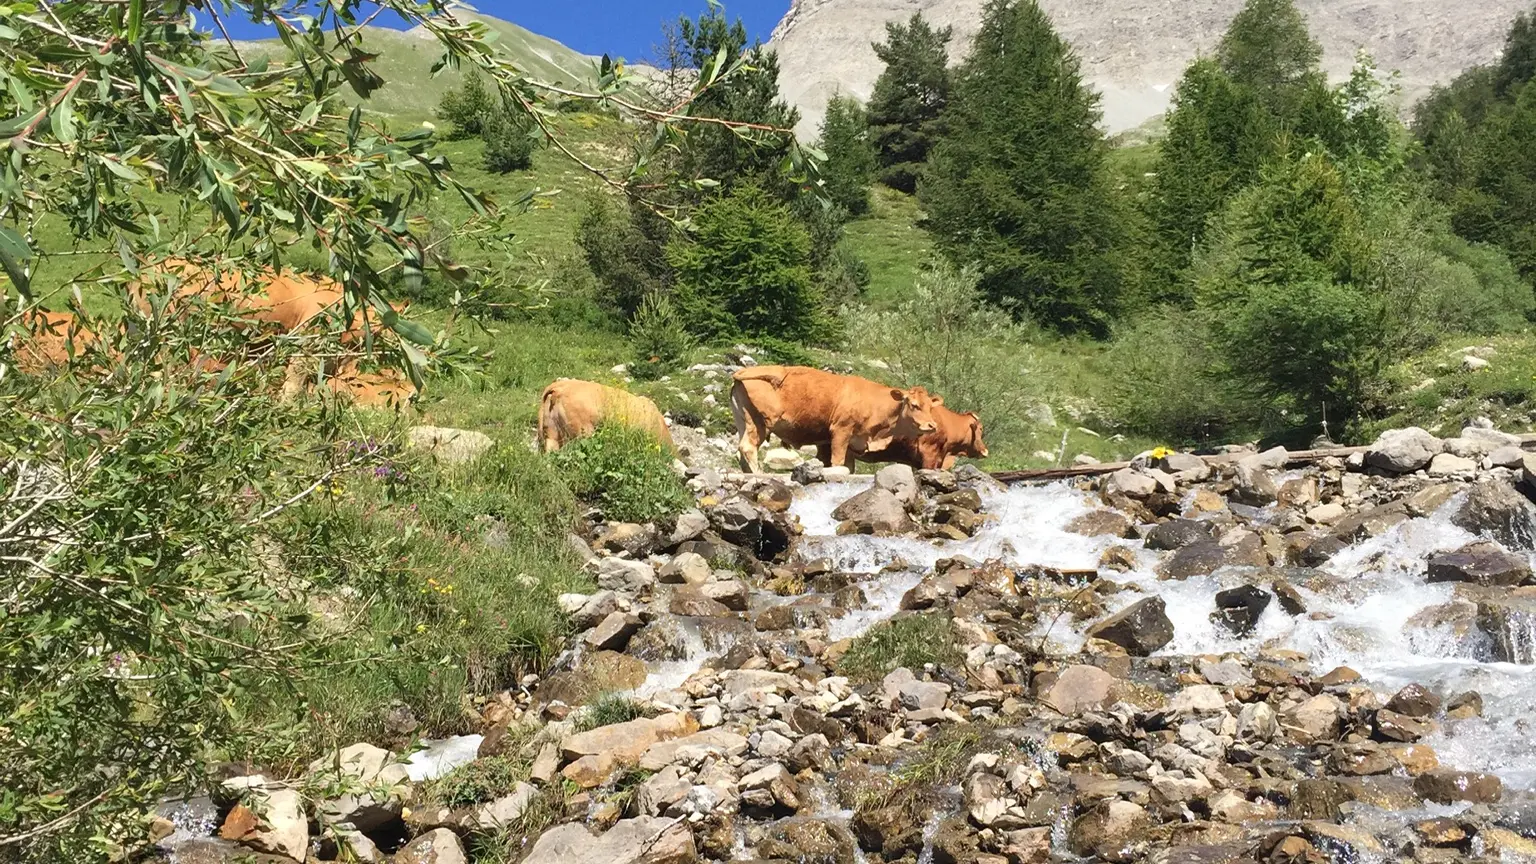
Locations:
(824, 453)
(842, 450)
(750, 430)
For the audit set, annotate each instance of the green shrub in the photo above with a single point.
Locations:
(609, 709)
(625, 252)
(508, 143)
(466, 108)
(657, 338)
(905, 641)
(476, 782)
(850, 156)
(625, 472)
(1164, 380)
(746, 270)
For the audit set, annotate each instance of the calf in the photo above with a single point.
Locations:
(958, 434)
(842, 415)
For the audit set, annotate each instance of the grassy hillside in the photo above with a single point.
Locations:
(405, 61)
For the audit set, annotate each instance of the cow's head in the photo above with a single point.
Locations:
(973, 445)
(915, 412)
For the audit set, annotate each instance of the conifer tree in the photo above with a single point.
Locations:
(1018, 183)
(751, 96)
(1267, 47)
(908, 99)
(1217, 138)
(850, 158)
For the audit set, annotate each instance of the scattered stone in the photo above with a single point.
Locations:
(1450, 465)
(642, 840)
(274, 822)
(1077, 689)
(1315, 720)
(1253, 485)
(613, 633)
(685, 568)
(1130, 484)
(438, 846)
(449, 446)
(1464, 706)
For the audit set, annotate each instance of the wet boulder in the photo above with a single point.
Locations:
(1101, 523)
(1076, 689)
(1496, 509)
(1509, 619)
(1197, 559)
(1447, 786)
(899, 480)
(1238, 609)
(1178, 533)
(1403, 451)
(1415, 700)
(1479, 564)
(1140, 629)
(743, 524)
(873, 511)
(1109, 827)
(1253, 485)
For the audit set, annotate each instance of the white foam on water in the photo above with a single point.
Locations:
(438, 757)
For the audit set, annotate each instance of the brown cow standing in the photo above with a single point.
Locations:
(842, 415)
(571, 409)
(958, 434)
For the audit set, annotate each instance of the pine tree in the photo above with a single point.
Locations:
(751, 96)
(1018, 183)
(1267, 47)
(1217, 139)
(1517, 65)
(508, 144)
(908, 99)
(850, 158)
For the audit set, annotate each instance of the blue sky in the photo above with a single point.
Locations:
(626, 28)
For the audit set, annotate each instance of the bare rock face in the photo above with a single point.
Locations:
(1133, 51)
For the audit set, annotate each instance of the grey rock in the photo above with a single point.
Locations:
(1495, 508)
(1403, 451)
(642, 840)
(1178, 533)
(450, 446)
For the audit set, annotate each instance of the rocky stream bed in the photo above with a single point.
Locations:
(1170, 663)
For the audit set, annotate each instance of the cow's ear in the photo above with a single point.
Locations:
(938, 400)
(899, 395)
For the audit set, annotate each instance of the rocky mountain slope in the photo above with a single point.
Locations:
(1134, 50)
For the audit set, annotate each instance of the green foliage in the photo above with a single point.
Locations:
(1018, 184)
(610, 708)
(476, 782)
(850, 158)
(138, 495)
(623, 248)
(907, 640)
(508, 144)
(719, 154)
(1517, 65)
(1268, 49)
(1217, 138)
(1165, 380)
(658, 338)
(745, 269)
(625, 472)
(908, 99)
(467, 109)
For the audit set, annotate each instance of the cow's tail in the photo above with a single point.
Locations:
(773, 375)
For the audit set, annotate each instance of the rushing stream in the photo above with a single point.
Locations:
(1359, 618)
